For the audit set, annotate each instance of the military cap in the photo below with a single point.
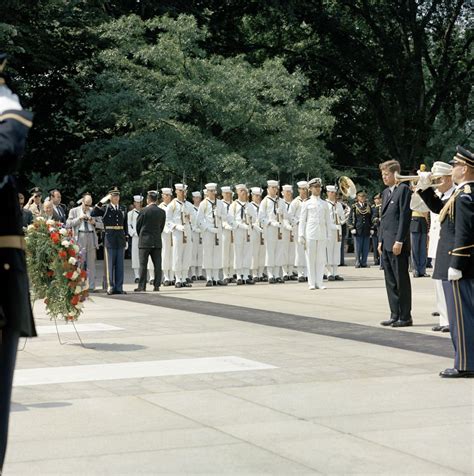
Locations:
(196, 194)
(35, 191)
(331, 188)
(302, 184)
(272, 183)
(256, 191)
(315, 182)
(241, 186)
(224, 189)
(139, 198)
(463, 156)
(114, 191)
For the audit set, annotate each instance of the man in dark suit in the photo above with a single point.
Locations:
(59, 208)
(394, 245)
(16, 317)
(150, 224)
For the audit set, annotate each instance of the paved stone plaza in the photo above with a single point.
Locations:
(242, 380)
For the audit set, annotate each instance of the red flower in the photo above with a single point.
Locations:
(50, 273)
(55, 237)
(75, 299)
(83, 274)
(62, 254)
(71, 252)
(69, 275)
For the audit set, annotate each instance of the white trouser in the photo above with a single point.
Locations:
(227, 265)
(316, 260)
(258, 254)
(272, 251)
(135, 257)
(196, 258)
(86, 243)
(181, 254)
(167, 256)
(211, 254)
(441, 306)
(287, 252)
(242, 253)
(333, 254)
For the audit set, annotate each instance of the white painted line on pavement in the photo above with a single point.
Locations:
(157, 368)
(69, 328)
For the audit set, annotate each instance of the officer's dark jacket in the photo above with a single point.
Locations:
(150, 224)
(15, 306)
(361, 218)
(115, 224)
(396, 218)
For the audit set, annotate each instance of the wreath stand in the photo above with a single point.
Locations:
(58, 334)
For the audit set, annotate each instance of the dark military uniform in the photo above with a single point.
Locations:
(360, 220)
(16, 317)
(375, 217)
(114, 219)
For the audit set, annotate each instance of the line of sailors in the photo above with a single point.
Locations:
(271, 239)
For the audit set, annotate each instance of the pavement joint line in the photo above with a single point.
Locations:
(405, 340)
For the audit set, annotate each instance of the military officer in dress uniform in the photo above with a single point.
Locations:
(132, 217)
(360, 221)
(34, 204)
(315, 224)
(16, 317)
(376, 214)
(242, 223)
(166, 240)
(338, 218)
(196, 260)
(256, 236)
(114, 218)
(295, 212)
(287, 248)
(227, 237)
(179, 216)
(270, 216)
(212, 213)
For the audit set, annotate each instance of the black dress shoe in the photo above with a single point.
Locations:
(193, 278)
(152, 282)
(221, 283)
(178, 284)
(364, 266)
(331, 278)
(436, 328)
(166, 283)
(388, 322)
(445, 329)
(239, 282)
(139, 290)
(250, 281)
(279, 280)
(357, 265)
(209, 284)
(294, 277)
(338, 278)
(214, 282)
(156, 289)
(271, 280)
(301, 279)
(402, 324)
(120, 292)
(285, 278)
(109, 292)
(325, 277)
(455, 373)
(187, 285)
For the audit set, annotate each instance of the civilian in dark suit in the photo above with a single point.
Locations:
(150, 224)
(394, 245)
(59, 208)
(16, 317)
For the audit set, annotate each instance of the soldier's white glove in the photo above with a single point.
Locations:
(226, 226)
(454, 274)
(8, 100)
(353, 231)
(243, 226)
(214, 230)
(371, 232)
(126, 245)
(275, 224)
(424, 181)
(180, 227)
(259, 229)
(288, 227)
(301, 240)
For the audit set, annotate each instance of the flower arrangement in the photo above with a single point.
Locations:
(54, 268)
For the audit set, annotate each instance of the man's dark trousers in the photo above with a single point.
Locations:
(155, 254)
(8, 348)
(397, 282)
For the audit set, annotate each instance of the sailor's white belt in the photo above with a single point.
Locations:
(12, 241)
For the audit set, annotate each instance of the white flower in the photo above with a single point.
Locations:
(72, 260)
(50, 222)
(65, 243)
(79, 305)
(31, 227)
(74, 276)
(78, 290)
(39, 218)
(63, 231)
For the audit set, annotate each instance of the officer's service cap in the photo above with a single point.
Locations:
(272, 183)
(441, 169)
(241, 186)
(287, 188)
(315, 182)
(35, 191)
(166, 191)
(114, 191)
(225, 189)
(331, 188)
(362, 193)
(138, 198)
(463, 156)
(302, 184)
(196, 194)
(256, 191)
(377, 195)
